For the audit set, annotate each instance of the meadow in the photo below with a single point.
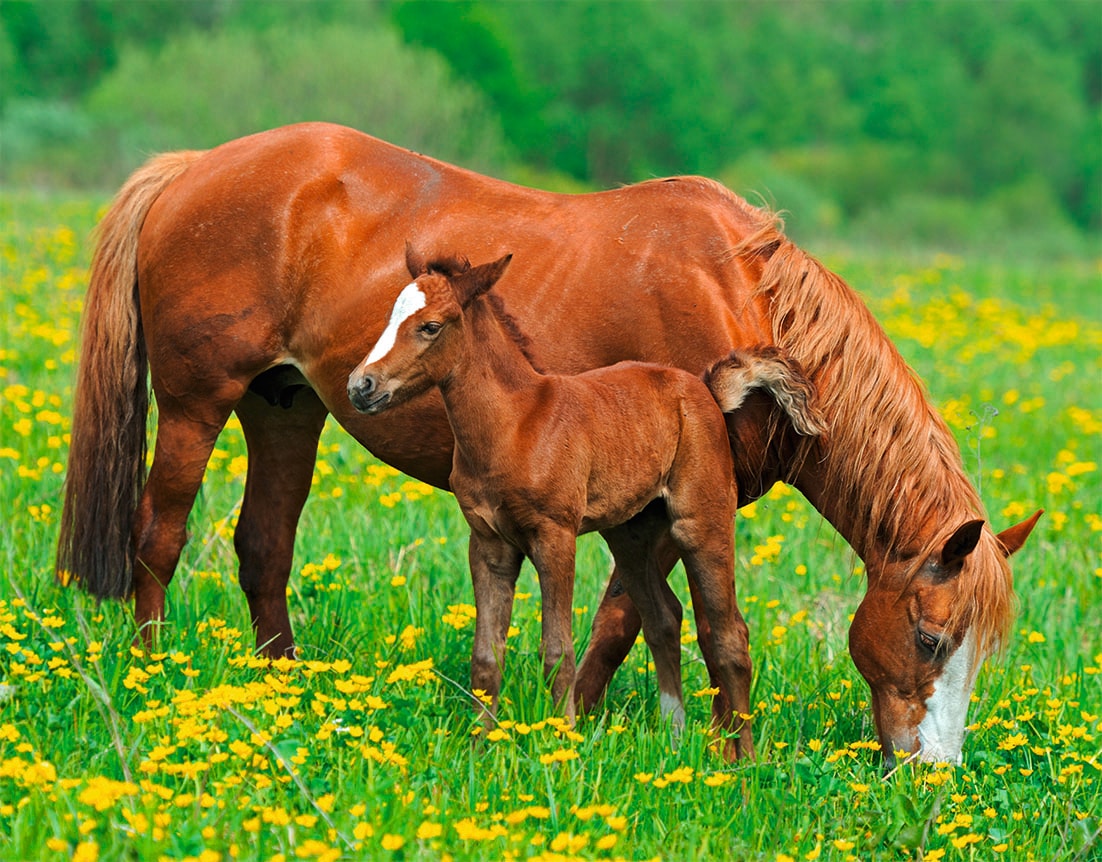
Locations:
(368, 746)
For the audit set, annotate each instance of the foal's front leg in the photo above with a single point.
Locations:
(495, 565)
(553, 556)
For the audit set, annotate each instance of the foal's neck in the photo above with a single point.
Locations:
(489, 384)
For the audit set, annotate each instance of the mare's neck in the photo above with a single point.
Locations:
(887, 473)
(488, 386)
(890, 492)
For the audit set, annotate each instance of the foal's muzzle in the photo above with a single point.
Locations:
(364, 396)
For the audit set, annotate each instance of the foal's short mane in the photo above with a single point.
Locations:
(452, 265)
(512, 328)
(448, 266)
(891, 464)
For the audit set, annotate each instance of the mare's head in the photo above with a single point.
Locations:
(417, 348)
(924, 628)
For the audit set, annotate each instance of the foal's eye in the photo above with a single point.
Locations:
(430, 327)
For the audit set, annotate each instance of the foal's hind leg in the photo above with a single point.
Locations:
(283, 445)
(186, 433)
(617, 622)
(707, 549)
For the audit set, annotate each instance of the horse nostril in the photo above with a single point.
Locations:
(360, 390)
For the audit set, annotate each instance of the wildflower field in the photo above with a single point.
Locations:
(368, 748)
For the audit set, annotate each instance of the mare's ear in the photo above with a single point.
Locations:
(961, 543)
(1012, 538)
(476, 281)
(415, 261)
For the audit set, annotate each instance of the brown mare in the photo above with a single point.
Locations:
(252, 278)
(542, 458)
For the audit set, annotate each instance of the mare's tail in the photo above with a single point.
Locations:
(106, 469)
(731, 379)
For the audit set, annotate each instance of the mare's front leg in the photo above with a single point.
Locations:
(283, 445)
(495, 566)
(617, 622)
(553, 555)
(658, 607)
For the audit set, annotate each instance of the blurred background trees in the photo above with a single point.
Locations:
(907, 121)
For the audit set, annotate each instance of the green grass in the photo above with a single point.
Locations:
(369, 747)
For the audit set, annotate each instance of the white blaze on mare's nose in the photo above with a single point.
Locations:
(941, 732)
(409, 301)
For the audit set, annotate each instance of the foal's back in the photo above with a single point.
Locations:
(604, 443)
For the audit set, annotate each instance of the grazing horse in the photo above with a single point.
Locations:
(252, 278)
(542, 458)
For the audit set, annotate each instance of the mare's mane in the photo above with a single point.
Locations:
(890, 463)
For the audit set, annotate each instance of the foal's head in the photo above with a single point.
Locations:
(418, 347)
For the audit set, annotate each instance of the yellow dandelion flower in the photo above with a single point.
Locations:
(392, 842)
(561, 755)
(86, 851)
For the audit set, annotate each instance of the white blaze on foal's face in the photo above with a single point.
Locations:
(409, 301)
(941, 732)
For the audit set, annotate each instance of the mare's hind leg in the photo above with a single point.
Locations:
(186, 433)
(283, 445)
(617, 622)
(658, 608)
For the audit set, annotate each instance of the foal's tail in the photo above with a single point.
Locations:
(733, 378)
(106, 469)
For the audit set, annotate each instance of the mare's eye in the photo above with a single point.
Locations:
(430, 327)
(930, 643)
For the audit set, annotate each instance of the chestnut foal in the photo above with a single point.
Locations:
(540, 459)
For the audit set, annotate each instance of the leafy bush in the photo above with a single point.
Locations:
(201, 90)
(760, 179)
(1022, 220)
(43, 141)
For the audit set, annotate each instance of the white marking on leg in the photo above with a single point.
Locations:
(941, 732)
(409, 301)
(671, 707)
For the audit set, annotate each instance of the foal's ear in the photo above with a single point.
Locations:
(476, 281)
(415, 261)
(1012, 538)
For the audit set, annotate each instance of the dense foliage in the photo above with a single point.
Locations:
(903, 119)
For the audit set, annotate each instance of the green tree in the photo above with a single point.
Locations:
(199, 91)
(61, 47)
